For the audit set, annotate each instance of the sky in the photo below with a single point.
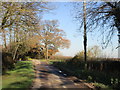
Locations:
(63, 13)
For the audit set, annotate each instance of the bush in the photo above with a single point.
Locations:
(7, 61)
(24, 58)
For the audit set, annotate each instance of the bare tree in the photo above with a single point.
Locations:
(19, 15)
(101, 16)
(85, 34)
(19, 20)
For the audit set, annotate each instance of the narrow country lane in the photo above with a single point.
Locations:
(48, 76)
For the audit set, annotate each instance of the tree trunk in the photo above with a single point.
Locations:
(14, 55)
(4, 38)
(10, 32)
(47, 52)
(85, 35)
(14, 36)
(119, 43)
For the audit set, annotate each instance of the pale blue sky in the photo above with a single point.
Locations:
(63, 13)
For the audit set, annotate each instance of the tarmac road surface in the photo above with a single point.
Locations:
(48, 76)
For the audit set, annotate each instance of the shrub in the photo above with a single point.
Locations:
(7, 61)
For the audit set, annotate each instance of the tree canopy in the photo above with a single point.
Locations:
(22, 29)
(52, 38)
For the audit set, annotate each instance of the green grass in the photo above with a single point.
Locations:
(102, 86)
(20, 77)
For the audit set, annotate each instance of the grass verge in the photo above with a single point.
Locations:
(20, 77)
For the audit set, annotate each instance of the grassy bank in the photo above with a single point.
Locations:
(100, 79)
(20, 77)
